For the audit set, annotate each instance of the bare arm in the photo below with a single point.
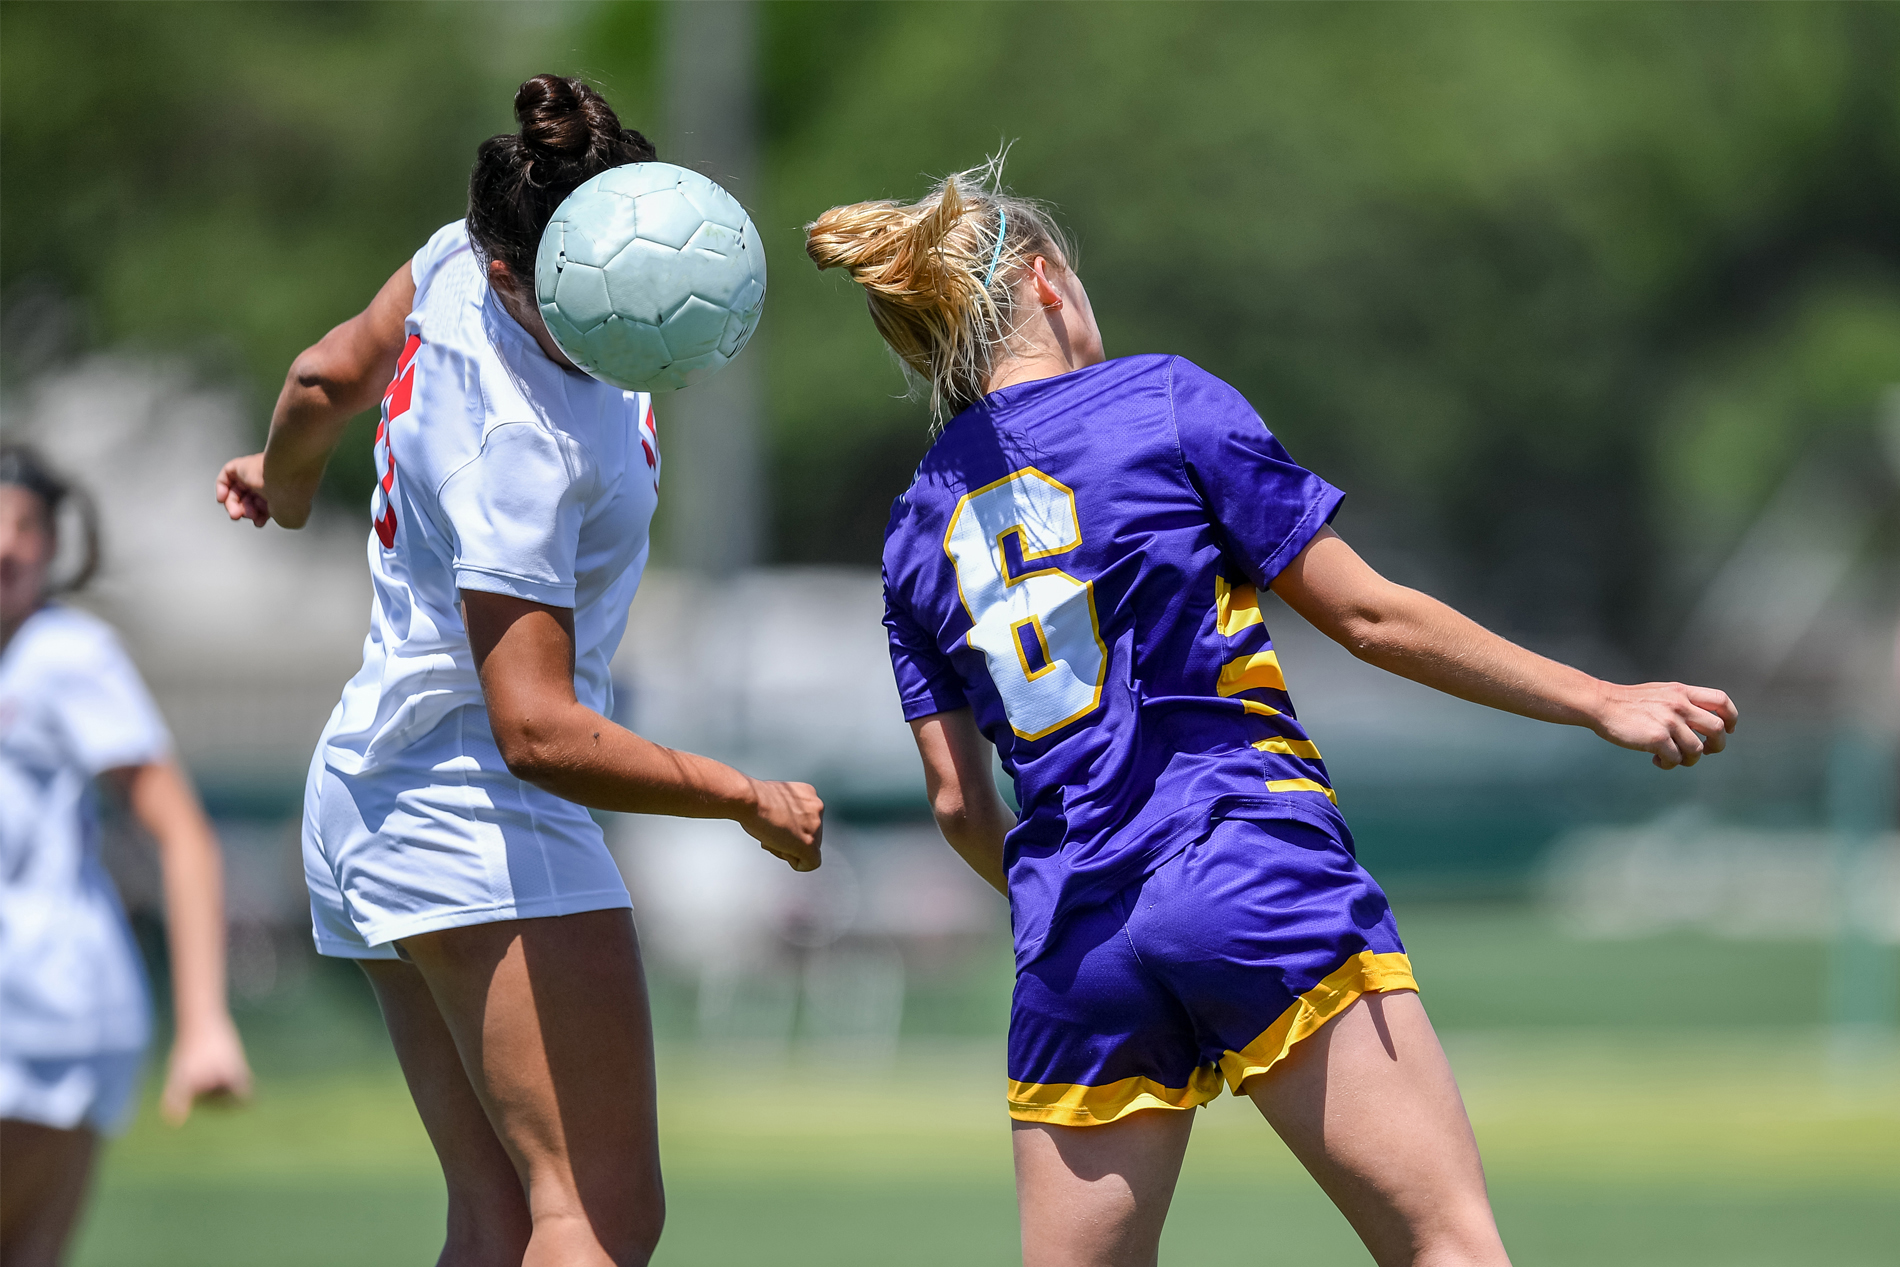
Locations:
(963, 796)
(207, 1058)
(329, 383)
(525, 653)
(1418, 637)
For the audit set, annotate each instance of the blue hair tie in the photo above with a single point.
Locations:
(1002, 231)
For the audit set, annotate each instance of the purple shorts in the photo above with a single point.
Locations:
(1207, 970)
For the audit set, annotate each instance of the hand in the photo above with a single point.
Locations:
(789, 821)
(206, 1063)
(1675, 724)
(241, 489)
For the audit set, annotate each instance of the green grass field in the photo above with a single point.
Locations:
(1671, 1102)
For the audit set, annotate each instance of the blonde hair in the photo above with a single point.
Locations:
(937, 274)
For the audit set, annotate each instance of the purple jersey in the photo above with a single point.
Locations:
(1078, 560)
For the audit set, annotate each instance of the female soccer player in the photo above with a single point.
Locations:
(1074, 577)
(446, 842)
(74, 1017)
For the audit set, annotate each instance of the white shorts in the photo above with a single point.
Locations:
(98, 1092)
(443, 844)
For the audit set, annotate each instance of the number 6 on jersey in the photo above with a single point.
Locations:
(1035, 625)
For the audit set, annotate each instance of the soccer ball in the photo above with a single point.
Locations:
(650, 277)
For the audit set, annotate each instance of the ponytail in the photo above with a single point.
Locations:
(939, 274)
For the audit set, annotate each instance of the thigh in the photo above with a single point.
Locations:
(488, 1208)
(1369, 1106)
(550, 1019)
(1097, 1196)
(43, 1176)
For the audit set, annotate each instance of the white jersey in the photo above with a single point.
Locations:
(71, 707)
(500, 471)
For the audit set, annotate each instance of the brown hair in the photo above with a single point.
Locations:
(22, 467)
(568, 134)
(938, 274)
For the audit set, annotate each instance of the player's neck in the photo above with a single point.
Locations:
(528, 316)
(1044, 358)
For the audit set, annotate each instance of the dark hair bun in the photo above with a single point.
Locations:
(568, 134)
(564, 116)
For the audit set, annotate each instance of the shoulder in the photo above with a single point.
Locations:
(1199, 402)
(60, 639)
(530, 456)
(446, 244)
(1185, 378)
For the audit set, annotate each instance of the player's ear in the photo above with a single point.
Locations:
(501, 277)
(1046, 293)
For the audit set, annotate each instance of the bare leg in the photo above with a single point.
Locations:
(1096, 1196)
(43, 1177)
(488, 1211)
(1369, 1106)
(550, 1019)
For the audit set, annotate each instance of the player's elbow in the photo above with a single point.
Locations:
(530, 750)
(969, 823)
(1366, 634)
(319, 374)
(1376, 629)
(952, 812)
(311, 372)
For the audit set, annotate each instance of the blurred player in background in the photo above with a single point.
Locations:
(447, 844)
(74, 1015)
(1074, 577)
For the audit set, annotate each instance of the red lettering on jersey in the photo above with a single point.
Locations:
(396, 401)
(650, 442)
(401, 387)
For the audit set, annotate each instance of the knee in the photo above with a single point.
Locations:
(626, 1230)
(491, 1230)
(1465, 1238)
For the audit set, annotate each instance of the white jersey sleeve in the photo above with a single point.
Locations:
(514, 514)
(443, 245)
(107, 715)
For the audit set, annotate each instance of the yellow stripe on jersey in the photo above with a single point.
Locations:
(1256, 707)
(1288, 747)
(1235, 606)
(1301, 785)
(1251, 672)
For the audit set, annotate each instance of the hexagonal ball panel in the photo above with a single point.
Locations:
(715, 205)
(644, 280)
(693, 329)
(580, 292)
(668, 218)
(626, 354)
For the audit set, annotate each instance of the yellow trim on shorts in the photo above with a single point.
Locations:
(1076, 1104)
(1364, 973)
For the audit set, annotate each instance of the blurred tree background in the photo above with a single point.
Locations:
(1558, 292)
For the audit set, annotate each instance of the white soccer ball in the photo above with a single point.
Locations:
(650, 277)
